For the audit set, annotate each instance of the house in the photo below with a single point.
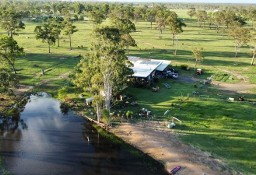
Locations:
(147, 69)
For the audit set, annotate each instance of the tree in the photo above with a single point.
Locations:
(125, 27)
(47, 33)
(11, 20)
(252, 16)
(7, 79)
(201, 16)
(78, 7)
(175, 25)
(104, 71)
(197, 55)
(57, 25)
(150, 16)
(69, 29)
(191, 12)
(241, 36)
(9, 50)
(97, 15)
(253, 48)
(161, 20)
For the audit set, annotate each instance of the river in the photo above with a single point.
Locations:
(44, 141)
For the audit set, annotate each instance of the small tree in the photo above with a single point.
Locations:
(69, 29)
(191, 12)
(57, 25)
(241, 36)
(253, 48)
(197, 55)
(47, 33)
(175, 26)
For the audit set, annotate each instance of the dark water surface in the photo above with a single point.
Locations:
(46, 142)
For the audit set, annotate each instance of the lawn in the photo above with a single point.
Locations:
(227, 130)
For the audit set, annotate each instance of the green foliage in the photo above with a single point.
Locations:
(7, 80)
(129, 114)
(62, 93)
(47, 33)
(105, 116)
(11, 20)
(9, 51)
(69, 29)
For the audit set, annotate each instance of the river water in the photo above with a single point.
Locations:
(44, 141)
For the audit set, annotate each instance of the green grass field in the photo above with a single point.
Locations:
(227, 130)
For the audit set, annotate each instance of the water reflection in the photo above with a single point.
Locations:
(44, 141)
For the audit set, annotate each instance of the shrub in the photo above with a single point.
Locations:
(105, 116)
(184, 67)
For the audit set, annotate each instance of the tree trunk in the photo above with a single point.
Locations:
(13, 68)
(151, 24)
(173, 38)
(70, 45)
(98, 111)
(195, 63)
(253, 58)
(236, 48)
(58, 40)
(175, 52)
(49, 48)
(11, 34)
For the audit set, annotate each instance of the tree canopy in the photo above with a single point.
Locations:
(9, 51)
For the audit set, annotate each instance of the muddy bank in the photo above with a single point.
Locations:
(159, 142)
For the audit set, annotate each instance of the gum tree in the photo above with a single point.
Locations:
(47, 33)
(104, 70)
(9, 51)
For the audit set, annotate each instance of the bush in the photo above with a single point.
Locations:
(63, 92)
(105, 116)
(184, 67)
(129, 114)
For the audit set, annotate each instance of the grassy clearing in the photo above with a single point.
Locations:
(227, 130)
(210, 122)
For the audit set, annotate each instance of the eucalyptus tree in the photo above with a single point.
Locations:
(11, 20)
(161, 17)
(69, 29)
(175, 25)
(201, 16)
(253, 49)
(240, 35)
(125, 27)
(9, 51)
(47, 33)
(191, 12)
(78, 7)
(150, 16)
(104, 70)
(57, 24)
(139, 12)
(97, 15)
(252, 15)
(197, 54)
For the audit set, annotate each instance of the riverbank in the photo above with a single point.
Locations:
(161, 143)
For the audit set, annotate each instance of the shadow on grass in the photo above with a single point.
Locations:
(185, 55)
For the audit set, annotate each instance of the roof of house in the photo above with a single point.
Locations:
(144, 67)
